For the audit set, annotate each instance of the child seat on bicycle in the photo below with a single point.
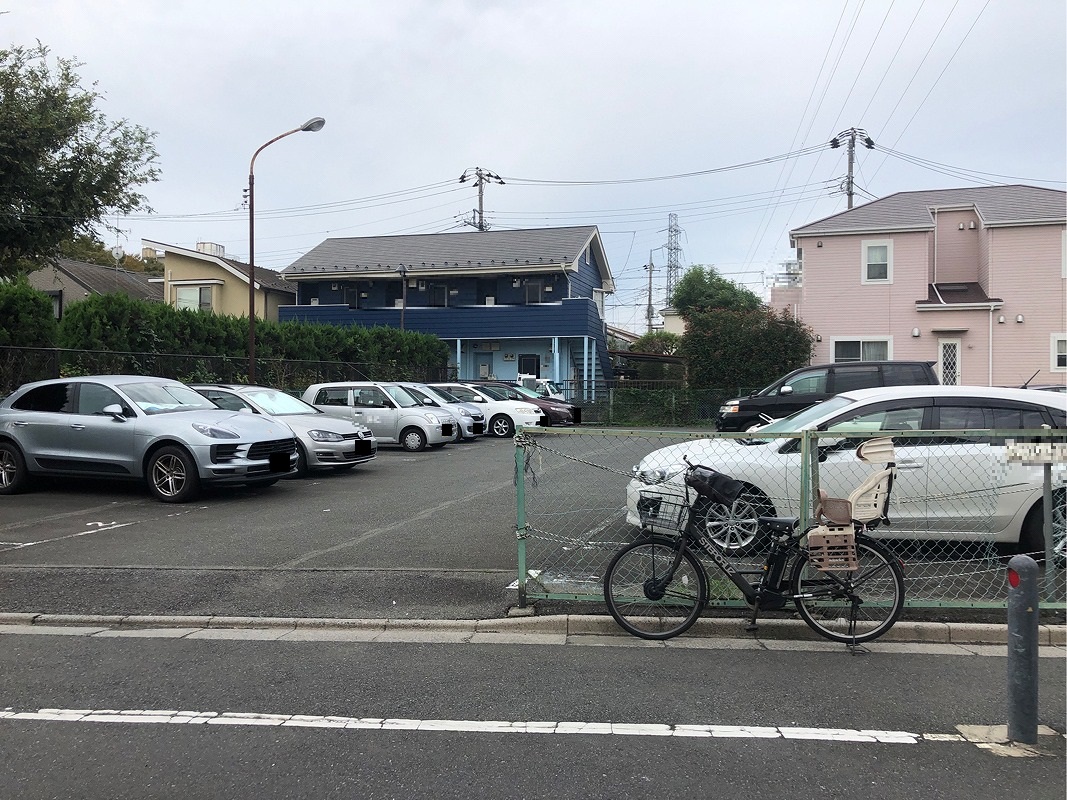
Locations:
(868, 504)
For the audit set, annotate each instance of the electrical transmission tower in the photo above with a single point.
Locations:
(481, 177)
(674, 255)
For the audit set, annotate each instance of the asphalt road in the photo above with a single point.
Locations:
(444, 705)
(422, 535)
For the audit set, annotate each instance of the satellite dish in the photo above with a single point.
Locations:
(117, 252)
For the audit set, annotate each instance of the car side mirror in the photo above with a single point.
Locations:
(115, 410)
(786, 390)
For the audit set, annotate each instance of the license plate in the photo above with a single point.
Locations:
(279, 462)
(446, 430)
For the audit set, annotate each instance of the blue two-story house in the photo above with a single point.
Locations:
(509, 303)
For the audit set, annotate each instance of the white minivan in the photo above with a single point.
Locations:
(389, 410)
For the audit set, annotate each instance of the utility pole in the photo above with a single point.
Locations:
(674, 251)
(849, 136)
(481, 177)
(650, 268)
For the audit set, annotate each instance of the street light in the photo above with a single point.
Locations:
(312, 125)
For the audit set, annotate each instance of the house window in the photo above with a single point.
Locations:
(194, 297)
(861, 350)
(534, 291)
(877, 261)
(1059, 352)
(438, 295)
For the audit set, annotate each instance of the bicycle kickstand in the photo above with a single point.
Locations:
(854, 648)
(752, 627)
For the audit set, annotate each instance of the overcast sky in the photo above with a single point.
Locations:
(570, 102)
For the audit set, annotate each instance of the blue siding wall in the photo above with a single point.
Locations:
(573, 317)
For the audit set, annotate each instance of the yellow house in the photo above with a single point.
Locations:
(205, 279)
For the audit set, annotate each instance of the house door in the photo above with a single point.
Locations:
(530, 365)
(948, 361)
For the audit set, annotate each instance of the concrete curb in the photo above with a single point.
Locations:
(555, 625)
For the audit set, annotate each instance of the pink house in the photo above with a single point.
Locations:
(974, 279)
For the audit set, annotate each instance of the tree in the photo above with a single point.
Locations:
(91, 250)
(703, 288)
(26, 316)
(728, 351)
(661, 343)
(63, 164)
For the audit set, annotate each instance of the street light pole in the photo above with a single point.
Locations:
(312, 125)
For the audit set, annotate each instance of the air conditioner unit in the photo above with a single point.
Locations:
(398, 303)
(314, 301)
(490, 301)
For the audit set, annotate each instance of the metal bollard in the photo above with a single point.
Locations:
(1022, 649)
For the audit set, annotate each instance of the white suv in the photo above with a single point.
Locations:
(392, 414)
(503, 416)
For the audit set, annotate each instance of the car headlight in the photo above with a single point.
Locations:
(215, 431)
(730, 407)
(326, 436)
(464, 412)
(561, 409)
(658, 475)
(432, 419)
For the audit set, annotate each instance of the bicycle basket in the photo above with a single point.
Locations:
(664, 511)
(832, 549)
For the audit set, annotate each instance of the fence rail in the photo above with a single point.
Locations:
(952, 522)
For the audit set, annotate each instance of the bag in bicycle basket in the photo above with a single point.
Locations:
(715, 485)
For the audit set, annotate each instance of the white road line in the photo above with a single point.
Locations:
(171, 717)
(110, 527)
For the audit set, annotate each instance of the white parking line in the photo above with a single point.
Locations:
(171, 717)
(102, 527)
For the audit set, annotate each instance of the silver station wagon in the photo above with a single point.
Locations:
(129, 427)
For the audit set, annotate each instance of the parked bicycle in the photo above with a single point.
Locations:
(846, 586)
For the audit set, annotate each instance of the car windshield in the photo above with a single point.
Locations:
(493, 392)
(439, 394)
(164, 398)
(421, 394)
(271, 401)
(402, 397)
(803, 419)
(527, 392)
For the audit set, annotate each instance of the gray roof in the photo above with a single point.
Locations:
(109, 280)
(451, 251)
(996, 205)
(267, 278)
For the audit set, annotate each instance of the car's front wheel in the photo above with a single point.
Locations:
(734, 528)
(14, 477)
(501, 426)
(301, 461)
(413, 440)
(172, 475)
(1032, 538)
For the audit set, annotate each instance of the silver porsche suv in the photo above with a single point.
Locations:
(129, 427)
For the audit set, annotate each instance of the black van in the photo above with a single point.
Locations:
(810, 385)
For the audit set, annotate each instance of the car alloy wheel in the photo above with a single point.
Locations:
(172, 475)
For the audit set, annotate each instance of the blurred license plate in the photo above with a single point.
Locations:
(279, 462)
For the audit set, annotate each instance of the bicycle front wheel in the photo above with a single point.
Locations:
(851, 607)
(640, 597)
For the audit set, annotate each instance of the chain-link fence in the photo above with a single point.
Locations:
(958, 508)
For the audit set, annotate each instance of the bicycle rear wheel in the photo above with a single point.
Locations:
(639, 600)
(851, 607)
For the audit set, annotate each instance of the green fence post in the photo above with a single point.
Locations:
(520, 517)
(807, 454)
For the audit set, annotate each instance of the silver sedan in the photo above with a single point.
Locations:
(323, 441)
